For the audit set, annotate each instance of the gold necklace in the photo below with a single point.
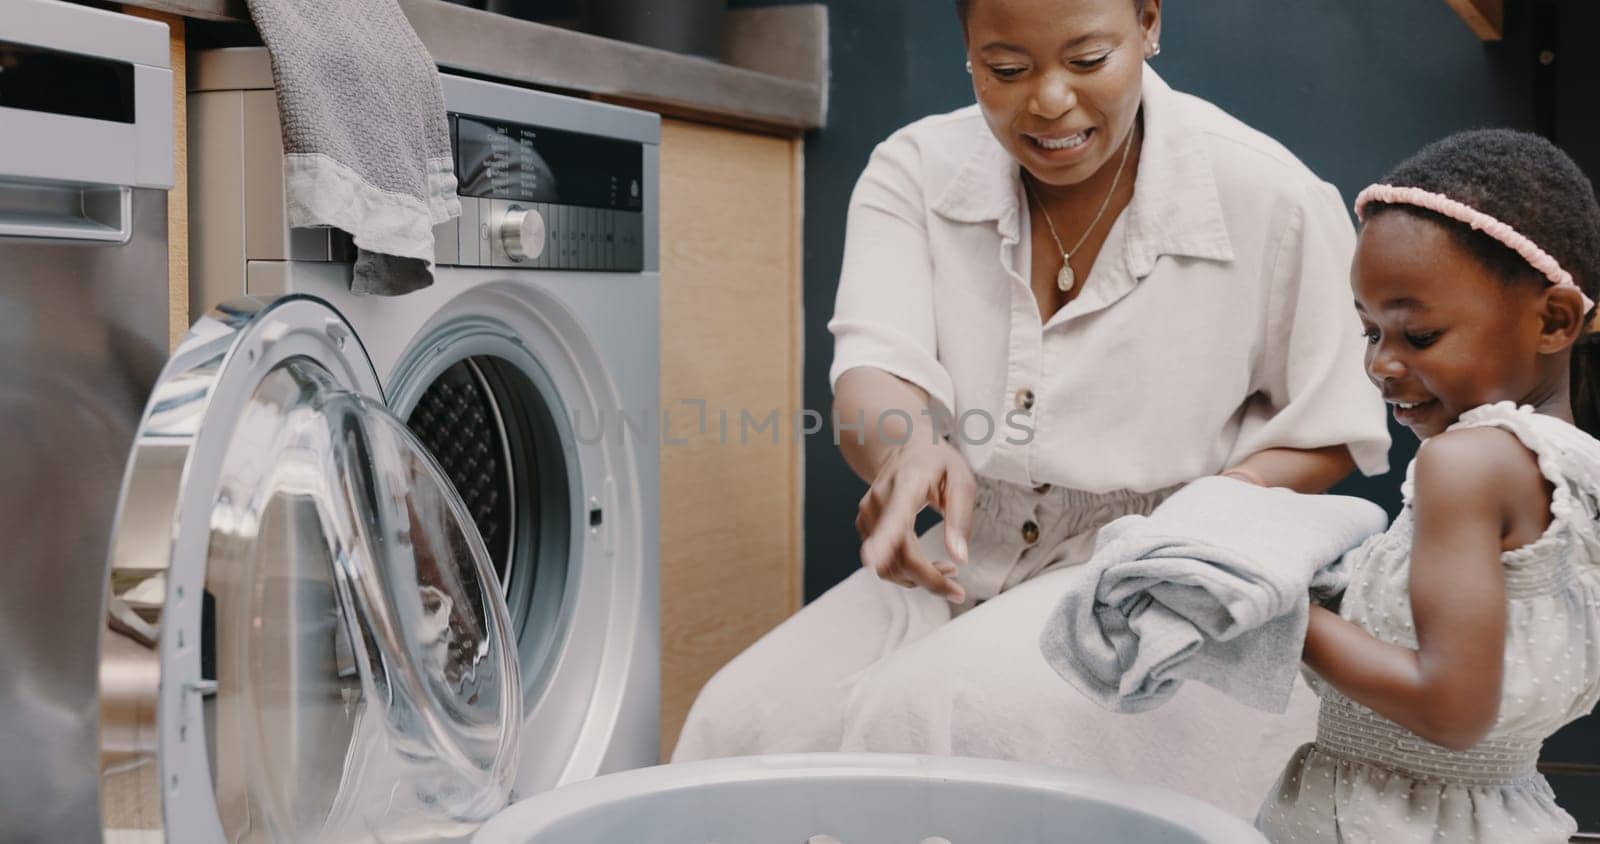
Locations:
(1067, 278)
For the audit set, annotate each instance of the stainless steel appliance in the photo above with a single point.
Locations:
(85, 161)
(299, 627)
(530, 368)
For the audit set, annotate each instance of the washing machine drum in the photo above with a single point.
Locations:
(335, 658)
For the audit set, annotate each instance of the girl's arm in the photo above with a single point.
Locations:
(1447, 690)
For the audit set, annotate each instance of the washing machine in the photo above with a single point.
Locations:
(286, 685)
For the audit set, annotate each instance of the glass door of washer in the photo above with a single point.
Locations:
(306, 640)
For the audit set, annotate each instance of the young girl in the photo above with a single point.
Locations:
(1471, 629)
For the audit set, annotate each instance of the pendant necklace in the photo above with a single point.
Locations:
(1066, 278)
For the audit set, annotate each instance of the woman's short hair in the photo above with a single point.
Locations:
(962, 6)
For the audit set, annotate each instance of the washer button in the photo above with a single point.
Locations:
(1042, 489)
(467, 252)
(1025, 399)
(1030, 531)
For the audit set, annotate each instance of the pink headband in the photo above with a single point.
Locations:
(1440, 204)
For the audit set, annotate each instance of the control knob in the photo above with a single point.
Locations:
(522, 233)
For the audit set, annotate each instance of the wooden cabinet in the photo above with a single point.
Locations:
(731, 334)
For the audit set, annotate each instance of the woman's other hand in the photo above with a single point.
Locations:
(912, 476)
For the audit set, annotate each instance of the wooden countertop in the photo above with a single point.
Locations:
(775, 75)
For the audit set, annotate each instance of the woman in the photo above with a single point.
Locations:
(1161, 293)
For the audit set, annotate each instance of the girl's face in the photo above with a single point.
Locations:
(1058, 80)
(1444, 334)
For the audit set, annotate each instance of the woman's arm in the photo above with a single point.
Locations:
(1302, 470)
(1308, 384)
(908, 465)
(868, 395)
(1447, 690)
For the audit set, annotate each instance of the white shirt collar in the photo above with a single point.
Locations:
(1175, 208)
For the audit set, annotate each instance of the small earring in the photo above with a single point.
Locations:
(1155, 50)
(969, 65)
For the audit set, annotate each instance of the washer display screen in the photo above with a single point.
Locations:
(504, 160)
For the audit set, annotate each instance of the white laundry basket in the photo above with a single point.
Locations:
(860, 799)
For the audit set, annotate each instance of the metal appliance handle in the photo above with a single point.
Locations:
(98, 214)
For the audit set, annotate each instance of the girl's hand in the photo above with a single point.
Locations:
(912, 476)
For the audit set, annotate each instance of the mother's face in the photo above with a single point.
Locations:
(1058, 80)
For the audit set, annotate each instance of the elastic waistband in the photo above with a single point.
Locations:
(1350, 731)
(1087, 509)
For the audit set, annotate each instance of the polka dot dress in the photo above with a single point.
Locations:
(1369, 779)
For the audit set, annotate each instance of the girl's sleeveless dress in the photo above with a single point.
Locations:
(1367, 778)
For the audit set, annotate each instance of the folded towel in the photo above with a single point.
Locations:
(365, 138)
(1213, 585)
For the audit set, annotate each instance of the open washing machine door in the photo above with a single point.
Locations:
(306, 638)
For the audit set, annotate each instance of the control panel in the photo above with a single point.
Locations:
(544, 198)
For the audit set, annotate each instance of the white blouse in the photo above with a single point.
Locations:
(1216, 321)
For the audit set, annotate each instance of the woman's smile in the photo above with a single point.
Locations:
(1062, 147)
